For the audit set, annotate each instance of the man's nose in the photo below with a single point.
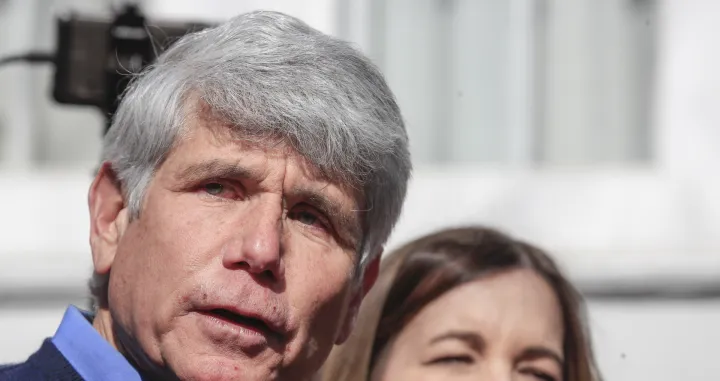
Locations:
(258, 247)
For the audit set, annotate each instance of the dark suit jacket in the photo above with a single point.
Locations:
(47, 364)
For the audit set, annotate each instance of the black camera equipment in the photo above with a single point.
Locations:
(95, 58)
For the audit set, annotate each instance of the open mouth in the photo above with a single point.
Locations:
(250, 323)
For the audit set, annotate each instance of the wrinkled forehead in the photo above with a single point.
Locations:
(200, 116)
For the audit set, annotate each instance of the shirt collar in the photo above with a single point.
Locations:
(88, 352)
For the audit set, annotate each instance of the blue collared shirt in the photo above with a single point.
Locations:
(88, 352)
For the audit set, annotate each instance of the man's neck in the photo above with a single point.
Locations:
(103, 324)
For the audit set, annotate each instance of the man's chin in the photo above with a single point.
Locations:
(218, 369)
(191, 354)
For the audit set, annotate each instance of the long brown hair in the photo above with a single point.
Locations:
(424, 269)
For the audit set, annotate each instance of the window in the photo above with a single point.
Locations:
(520, 81)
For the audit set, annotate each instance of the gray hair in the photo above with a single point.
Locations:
(271, 75)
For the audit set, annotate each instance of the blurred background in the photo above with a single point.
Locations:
(590, 127)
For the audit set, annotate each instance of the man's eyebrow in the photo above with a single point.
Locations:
(217, 169)
(346, 220)
(472, 339)
(533, 353)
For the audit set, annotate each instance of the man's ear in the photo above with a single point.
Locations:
(108, 218)
(370, 275)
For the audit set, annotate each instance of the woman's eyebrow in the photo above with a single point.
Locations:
(472, 339)
(540, 352)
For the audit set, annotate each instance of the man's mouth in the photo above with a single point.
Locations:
(247, 322)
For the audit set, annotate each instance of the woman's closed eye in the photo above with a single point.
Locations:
(458, 359)
(538, 375)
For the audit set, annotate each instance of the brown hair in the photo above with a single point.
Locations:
(424, 269)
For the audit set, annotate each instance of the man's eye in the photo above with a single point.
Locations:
(214, 189)
(218, 189)
(308, 217)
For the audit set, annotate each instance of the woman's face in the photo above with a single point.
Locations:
(505, 327)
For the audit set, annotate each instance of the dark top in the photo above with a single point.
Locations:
(47, 364)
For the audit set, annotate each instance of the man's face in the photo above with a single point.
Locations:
(239, 265)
